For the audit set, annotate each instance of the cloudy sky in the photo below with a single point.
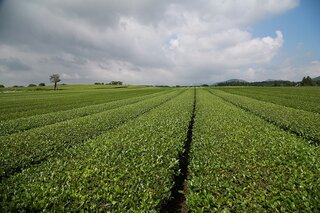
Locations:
(158, 42)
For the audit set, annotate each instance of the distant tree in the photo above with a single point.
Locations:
(162, 86)
(276, 83)
(97, 83)
(1, 86)
(55, 78)
(204, 85)
(307, 81)
(42, 84)
(32, 85)
(116, 82)
(304, 81)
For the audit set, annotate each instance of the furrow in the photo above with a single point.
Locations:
(177, 201)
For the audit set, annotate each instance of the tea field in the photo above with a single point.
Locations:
(160, 149)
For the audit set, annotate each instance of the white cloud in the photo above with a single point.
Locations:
(258, 50)
(70, 77)
(285, 70)
(174, 44)
(142, 42)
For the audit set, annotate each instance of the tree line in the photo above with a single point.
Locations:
(306, 81)
(111, 83)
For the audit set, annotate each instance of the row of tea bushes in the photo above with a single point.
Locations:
(302, 123)
(40, 120)
(129, 169)
(23, 149)
(240, 163)
(307, 99)
(26, 104)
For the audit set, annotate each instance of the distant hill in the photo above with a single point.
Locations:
(272, 80)
(235, 80)
(232, 82)
(269, 82)
(316, 79)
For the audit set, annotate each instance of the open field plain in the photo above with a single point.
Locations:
(160, 149)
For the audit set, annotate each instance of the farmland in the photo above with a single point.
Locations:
(158, 149)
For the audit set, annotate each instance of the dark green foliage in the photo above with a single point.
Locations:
(302, 123)
(303, 98)
(42, 84)
(23, 149)
(95, 148)
(128, 169)
(162, 86)
(32, 85)
(307, 81)
(2, 86)
(116, 83)
(240, 163)
(22, 124)
(18, 105)
(258, 83)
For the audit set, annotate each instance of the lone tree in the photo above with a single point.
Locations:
(55, 78)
